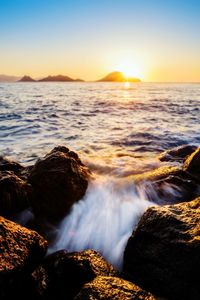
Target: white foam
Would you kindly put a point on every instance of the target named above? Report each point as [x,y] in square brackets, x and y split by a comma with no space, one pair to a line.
[103,220]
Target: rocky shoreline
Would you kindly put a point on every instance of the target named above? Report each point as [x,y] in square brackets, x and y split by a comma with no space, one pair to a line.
[162,256]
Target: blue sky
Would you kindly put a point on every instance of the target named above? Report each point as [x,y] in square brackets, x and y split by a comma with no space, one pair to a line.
[88,38]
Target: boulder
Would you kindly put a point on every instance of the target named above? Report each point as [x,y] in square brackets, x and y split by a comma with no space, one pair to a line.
[178,154]
[192,164]
[14,194]
[59,180]
[10,165]
[163,253]
[21,250]
[167,185]
[68,272]
[112,288]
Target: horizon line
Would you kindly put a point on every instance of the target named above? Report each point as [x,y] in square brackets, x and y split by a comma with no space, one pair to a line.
[38,78]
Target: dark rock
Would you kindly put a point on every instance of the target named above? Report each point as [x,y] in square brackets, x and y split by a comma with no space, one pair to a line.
[59,180]
[14,194]
[167,185]
[68,272]
[60,149]
[112,288]
[39,282]
[163,253]
[177,154]
[21,250]
[10,165]
[192,164]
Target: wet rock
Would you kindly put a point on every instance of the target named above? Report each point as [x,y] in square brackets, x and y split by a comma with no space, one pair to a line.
[68,272]
[167,185]
[192,164]
[112,288]
[177,154]
[163,253]
[59,180]
[14,194]
[10,165]
[21,250]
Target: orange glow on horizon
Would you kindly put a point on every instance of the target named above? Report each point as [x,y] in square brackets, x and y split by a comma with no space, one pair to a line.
[130,64]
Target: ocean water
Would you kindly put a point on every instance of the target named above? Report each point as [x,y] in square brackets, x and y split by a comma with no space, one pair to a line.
[117,131]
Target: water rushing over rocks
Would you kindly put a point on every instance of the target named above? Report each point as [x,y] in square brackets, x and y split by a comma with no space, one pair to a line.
[103,220]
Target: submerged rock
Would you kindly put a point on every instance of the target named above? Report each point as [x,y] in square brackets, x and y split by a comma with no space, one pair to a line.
[163,253]
[112,288]
[14,194]
[167,185]
[68,272]
[59,180]
[21,250]
[177,154]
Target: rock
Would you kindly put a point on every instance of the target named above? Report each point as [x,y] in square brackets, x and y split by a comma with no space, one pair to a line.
[59,180]
[68,272]
[163,253]
[167,185]
[177,154]
[112,288]
[10,165]
[192,164]
[21,250]
[39,282]
[14,194]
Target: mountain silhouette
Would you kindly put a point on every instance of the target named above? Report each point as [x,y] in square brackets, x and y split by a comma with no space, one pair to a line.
[118,77]
[26,78]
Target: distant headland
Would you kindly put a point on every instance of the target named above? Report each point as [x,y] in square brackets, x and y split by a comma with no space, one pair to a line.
[111,77]
[61,78]
[56,78]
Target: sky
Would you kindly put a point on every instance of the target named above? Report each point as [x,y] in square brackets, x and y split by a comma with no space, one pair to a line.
[153,40]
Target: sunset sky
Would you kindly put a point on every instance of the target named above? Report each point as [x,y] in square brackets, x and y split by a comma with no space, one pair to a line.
[154,40]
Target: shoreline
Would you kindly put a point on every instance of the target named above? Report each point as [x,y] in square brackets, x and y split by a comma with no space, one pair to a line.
[61,178]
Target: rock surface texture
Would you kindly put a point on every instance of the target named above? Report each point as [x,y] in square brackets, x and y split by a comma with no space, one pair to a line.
[112,288]
[163,253]
[59,180]
[14,194]
[68,272]
[21,250]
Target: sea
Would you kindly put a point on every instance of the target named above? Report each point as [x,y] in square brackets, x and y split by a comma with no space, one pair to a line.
[117,129]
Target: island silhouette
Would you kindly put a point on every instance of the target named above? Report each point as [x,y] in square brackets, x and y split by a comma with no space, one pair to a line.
[111,77]
[118,77]
[26,78]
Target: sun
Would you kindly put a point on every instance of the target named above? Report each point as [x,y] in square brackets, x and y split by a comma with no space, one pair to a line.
[130,66]
[131,70]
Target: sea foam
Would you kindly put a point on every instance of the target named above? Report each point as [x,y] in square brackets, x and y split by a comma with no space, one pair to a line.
[103,220]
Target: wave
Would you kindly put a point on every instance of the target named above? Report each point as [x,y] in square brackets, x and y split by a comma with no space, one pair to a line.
[103,220]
